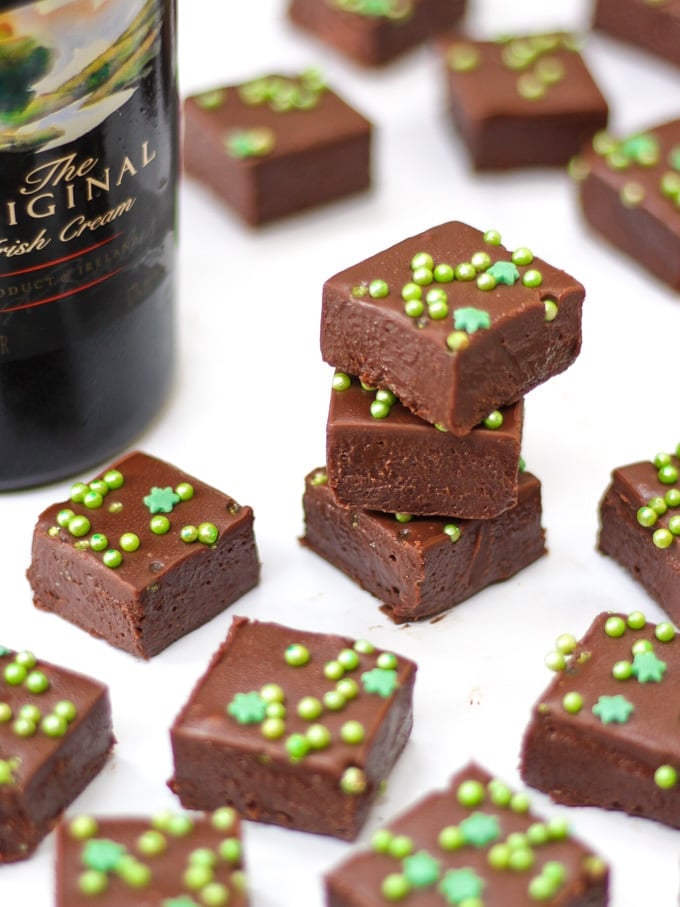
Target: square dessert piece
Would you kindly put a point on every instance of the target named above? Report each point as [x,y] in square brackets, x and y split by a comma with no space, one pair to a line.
[605,731]
[373,32]
[640,525]
[142,555]
[379,456]
[453,323]
[652,25]
[55,736]
[476,843]
[422,566]
[630,193]
[293,728]
[276,145]
[525,101]
[169,860]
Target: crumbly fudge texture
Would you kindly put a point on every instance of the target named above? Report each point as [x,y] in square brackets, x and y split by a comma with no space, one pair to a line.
[142,555]
[293,728]
[172,859]
[374,32]
[653,25]
[55,736]
[640,525]
[604,732]
[276,145]
[524,101]
[380,456]
[630,193]
[453,323]
[422,566]
[476,842]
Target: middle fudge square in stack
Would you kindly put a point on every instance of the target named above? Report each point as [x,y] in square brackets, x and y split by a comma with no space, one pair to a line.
[448,330]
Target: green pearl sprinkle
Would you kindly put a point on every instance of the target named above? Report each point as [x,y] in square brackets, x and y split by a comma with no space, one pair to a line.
[309,708]
[296,655]
[64,517]
[53,726]
[532,278]
[334,700]
[78,492]
[353,781]
[348,659]
[341,381]
[668,475]
[519,803]
[184,491]
[555,661]
[93,500]
[480,261]
[622,670]
[318,736]
[387,661]
[151,843]
[494,420]
[615,626]
[636,620]
[203,856]
[273,728]
[452,531]
[92,882]
[37,682]
[395,887]
[566,643]
[99,542]
[457,341]
[79,526]
[197,876]
[207,533]
[672,497]
[380,842]
[25,659]
[379,409]
[551,310]
[422,260]
[443,273]
[378,289]
[492,237]
[348,688]
[83,827]
[423,276]
[486,282]
[15,674]
[129,541]
[112,558]
[65,709]
[438,310]
[272,692]
[465,271]
[352,732]
[297,747]
[5,712]
[223,818]
[451,838]
[665,632]
[414,308]
[522,256]
[113,478]
[662,538]
[665,777]
[159,524]
[470,793]
[572,702]
[215,894]
[411,291]
[674,524]
[23,727]
[642,645]
[364,647]
[230,850]
[188,534]
[646,516]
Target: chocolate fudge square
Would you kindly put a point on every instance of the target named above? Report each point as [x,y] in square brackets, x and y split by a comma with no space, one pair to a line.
[293,728]
[652,25]
[374,32]
[605,731]
[172,859]
[640,525]
[526,101]
[276,145]
[142,555]
[422,566]
[475,842]
[453,323]
[380,456]
[629,191]
[55,736]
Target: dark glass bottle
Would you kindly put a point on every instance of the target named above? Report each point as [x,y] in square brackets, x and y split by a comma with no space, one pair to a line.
[88,174]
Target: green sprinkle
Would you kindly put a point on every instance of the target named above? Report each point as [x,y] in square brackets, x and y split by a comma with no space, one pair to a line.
[112,558]
[159,524]
[341,381]
[207,533]
[378,289]
[532,278]
[665,777]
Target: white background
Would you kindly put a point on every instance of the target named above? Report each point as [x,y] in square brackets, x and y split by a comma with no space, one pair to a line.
[248,415]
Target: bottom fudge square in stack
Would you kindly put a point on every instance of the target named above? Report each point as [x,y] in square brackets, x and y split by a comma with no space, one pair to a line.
[605,731]
[293,728]
[474,843]
[422,566]
[169,860]
[55,736]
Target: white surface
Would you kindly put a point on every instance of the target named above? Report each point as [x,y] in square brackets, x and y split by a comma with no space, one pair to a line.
[248,415]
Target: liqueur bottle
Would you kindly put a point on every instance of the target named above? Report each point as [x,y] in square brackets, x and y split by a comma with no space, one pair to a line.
[88,167]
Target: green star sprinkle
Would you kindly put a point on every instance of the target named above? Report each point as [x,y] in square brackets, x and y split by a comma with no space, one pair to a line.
[470,319]
[460,884]
[421,869]
[382,681]
[102,854]
[161,500]
[248,708]
[648,668]
[504,272]
[480,829]
[613,709]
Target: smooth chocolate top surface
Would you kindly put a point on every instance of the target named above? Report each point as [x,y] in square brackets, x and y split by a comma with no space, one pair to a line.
[352,408]
[638,713]
[635,166]
[465,870]
[254,656]
[26,756]
[224,112]
[177,837]
[521,75]
[451,243]
[124,510]
[638,483]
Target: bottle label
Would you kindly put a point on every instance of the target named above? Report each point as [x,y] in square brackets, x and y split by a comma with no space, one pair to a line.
[88,161]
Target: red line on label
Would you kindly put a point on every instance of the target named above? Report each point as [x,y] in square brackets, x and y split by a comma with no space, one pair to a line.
[85,286]
[58,261]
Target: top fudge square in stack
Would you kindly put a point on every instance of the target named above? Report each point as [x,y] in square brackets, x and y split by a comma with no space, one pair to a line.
[453,323]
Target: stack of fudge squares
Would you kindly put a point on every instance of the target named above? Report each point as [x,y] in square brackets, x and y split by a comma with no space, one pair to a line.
[424,499]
